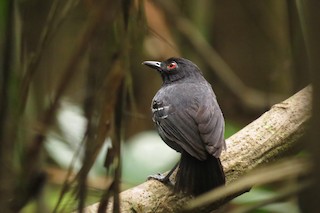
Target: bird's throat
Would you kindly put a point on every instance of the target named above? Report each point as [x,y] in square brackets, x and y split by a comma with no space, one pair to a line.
[172,77]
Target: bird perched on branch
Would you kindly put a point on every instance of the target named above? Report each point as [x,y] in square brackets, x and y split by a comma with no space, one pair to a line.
[189,120]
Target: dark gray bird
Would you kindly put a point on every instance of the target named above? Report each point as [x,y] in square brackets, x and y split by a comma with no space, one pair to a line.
[189,120]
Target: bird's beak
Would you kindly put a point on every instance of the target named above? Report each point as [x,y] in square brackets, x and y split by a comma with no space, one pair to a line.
[153,64]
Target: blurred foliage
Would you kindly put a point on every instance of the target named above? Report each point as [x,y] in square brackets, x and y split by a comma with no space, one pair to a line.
[259,194]
[72,88]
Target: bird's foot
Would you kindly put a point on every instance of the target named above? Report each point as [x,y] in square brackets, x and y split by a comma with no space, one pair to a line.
[160,177]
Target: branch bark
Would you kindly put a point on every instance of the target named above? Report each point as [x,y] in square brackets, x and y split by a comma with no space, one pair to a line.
[270,137]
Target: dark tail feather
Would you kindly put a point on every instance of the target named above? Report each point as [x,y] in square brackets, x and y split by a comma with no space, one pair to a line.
[196,177]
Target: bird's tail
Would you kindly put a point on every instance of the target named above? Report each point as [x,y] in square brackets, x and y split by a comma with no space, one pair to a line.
[196,177]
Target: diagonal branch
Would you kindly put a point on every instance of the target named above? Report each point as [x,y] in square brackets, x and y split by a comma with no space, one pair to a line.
[270,137]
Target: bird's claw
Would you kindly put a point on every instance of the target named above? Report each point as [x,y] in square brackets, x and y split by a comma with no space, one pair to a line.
[160,177]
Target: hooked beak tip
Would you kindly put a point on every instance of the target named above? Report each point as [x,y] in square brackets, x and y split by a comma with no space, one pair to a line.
[152,64]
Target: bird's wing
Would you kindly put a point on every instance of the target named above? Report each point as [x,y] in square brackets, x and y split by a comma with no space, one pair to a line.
[180,127]
[210,123]
[196,124]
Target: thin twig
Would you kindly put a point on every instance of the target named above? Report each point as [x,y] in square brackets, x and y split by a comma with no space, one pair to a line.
[51,26]
[98,17]
[67,183]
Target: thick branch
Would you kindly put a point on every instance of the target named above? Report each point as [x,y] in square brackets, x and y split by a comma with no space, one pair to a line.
[266,139]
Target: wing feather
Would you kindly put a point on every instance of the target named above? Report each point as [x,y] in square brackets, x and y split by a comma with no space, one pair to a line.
[186,136]
[211,128]
[194,124]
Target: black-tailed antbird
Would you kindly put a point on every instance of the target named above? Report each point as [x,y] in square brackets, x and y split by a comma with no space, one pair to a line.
[189,120]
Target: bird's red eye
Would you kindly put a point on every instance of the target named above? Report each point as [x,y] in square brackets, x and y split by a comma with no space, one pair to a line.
[172,66]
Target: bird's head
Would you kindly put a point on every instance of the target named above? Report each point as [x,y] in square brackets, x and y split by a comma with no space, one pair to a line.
[174,69]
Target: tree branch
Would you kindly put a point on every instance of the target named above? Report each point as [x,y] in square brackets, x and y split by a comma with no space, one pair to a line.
[270,137]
